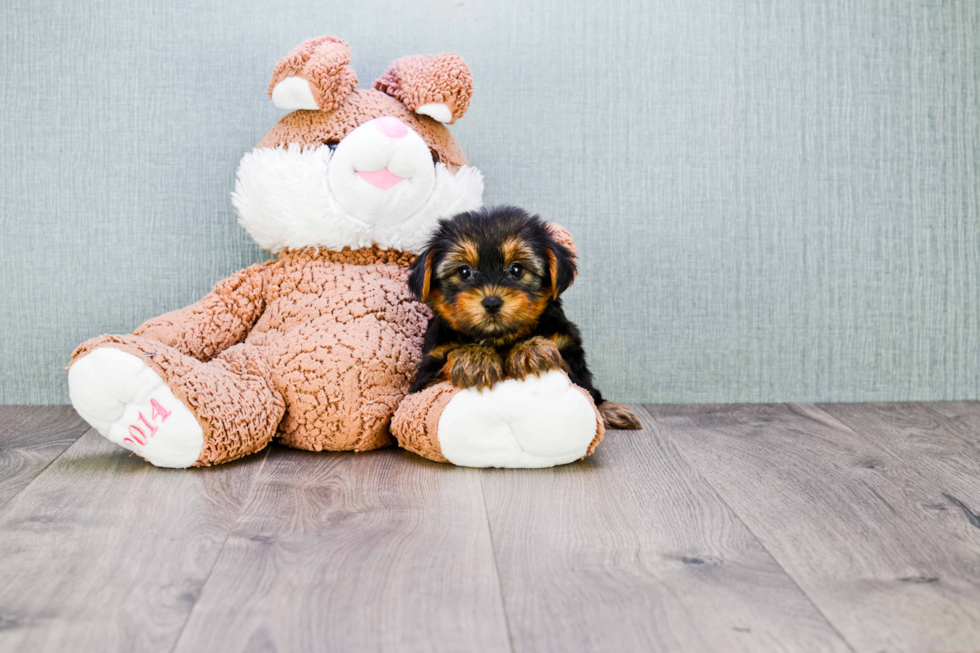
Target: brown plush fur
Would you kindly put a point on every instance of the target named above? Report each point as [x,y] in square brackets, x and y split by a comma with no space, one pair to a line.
[323,62]
[314,348]
[409,83]
[315,128]
[418,80]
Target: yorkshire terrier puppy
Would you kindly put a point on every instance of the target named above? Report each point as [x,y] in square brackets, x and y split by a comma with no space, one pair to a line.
[492,279]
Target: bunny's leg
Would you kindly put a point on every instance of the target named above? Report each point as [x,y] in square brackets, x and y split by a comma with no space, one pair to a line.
[170,408]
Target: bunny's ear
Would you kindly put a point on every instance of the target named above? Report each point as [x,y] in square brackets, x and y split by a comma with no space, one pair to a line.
[315,75]
[438,86]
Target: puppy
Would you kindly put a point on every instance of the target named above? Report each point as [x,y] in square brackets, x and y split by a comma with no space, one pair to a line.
[492,279]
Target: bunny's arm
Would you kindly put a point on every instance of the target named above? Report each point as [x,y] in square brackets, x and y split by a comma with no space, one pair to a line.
[220,319]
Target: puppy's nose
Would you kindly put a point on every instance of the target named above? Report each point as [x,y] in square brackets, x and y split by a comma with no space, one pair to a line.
[492,304]
[391,127]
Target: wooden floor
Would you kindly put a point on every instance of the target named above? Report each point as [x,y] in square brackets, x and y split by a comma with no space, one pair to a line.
[716,528]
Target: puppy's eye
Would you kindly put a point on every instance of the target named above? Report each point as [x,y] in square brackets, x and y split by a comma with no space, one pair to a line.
[516,270]
[464,272]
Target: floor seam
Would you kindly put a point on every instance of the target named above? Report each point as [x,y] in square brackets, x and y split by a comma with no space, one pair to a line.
[496,565]
[221,550]
[738,516]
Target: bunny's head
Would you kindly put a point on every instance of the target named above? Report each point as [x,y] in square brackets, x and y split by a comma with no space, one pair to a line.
[358,167]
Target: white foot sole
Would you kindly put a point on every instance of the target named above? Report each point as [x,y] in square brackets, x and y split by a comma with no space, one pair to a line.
[538,422]
[130,405]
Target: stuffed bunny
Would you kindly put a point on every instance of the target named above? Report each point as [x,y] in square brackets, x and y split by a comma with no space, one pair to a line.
[318,346]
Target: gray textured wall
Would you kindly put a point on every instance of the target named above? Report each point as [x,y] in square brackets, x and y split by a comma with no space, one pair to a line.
[774,200]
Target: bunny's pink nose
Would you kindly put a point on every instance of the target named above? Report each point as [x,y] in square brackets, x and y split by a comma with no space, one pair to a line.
[391,127]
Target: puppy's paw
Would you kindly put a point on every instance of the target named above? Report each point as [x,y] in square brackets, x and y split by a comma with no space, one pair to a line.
[474,366]
[535,356]
[618,416]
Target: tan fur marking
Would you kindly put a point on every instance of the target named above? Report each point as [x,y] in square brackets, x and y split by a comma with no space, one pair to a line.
[553,270]
[473,366]
[427,279]
[515,249]
[535,356]
[508,338]
[469,307]
[466,252]
[618,416]
[561,340]
[442,350]
[515,320]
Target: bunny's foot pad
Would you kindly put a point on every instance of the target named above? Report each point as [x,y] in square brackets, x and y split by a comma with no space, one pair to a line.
[128,403]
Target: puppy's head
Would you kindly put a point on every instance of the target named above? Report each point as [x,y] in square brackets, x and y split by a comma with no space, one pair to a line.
[490,273]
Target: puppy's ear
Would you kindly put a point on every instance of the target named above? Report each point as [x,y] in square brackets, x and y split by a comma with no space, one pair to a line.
[420,279]
[561,267]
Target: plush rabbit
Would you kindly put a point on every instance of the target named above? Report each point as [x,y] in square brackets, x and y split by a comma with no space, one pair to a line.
[318,346]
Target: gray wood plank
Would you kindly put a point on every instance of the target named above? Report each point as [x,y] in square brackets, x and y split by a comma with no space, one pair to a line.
[864,535]
[940,441]
[631,550]
[379,551]
[965,412]
[30,438]
[104,552]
